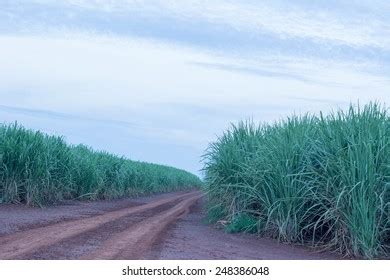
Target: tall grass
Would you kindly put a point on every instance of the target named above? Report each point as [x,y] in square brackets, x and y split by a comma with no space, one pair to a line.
[39,169]
[323,180]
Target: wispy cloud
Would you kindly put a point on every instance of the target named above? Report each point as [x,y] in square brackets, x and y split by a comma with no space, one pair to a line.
[284,18]
[256,71]
[62,116]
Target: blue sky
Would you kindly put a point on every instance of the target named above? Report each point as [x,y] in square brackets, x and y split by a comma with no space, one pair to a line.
[158,80]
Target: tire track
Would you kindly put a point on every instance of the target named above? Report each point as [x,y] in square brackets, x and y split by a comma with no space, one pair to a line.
[136,240]
[22,243]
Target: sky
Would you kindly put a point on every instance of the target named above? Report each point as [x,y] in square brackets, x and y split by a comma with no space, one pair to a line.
[158,80]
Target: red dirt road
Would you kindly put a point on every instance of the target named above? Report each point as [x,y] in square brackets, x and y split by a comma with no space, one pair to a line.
[167,226]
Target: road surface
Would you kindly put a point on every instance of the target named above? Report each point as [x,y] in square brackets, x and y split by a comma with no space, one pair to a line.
[167,226]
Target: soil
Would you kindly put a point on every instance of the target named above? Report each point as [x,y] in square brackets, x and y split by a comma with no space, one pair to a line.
[191,238]
[165,226]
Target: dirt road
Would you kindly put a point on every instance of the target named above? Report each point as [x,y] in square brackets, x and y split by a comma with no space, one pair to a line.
[167,226]
[124,233]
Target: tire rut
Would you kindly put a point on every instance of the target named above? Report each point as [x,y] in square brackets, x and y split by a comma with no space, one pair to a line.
[83,243]
[134,242]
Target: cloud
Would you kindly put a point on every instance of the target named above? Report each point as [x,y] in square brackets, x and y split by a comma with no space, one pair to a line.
[62,116]
[283,18]
[351,31]
[86,67]
[252,71]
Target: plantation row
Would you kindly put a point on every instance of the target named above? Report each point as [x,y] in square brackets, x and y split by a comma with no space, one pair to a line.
[322,180]
[39,169]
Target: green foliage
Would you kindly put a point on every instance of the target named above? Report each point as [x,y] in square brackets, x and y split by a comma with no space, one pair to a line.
[38,169]
[242,222]
[318,179]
